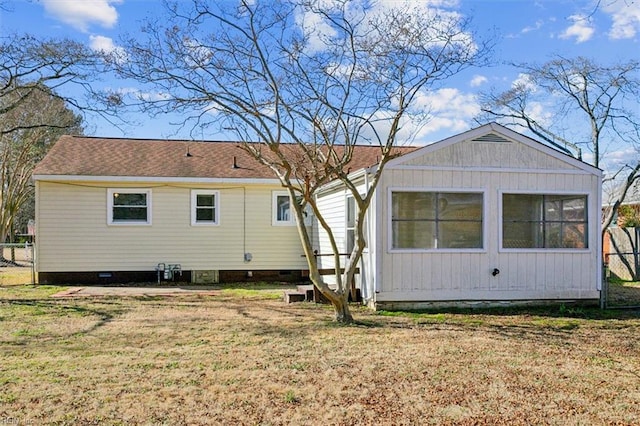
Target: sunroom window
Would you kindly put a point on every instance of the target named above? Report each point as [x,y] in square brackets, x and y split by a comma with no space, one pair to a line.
[437,220]
[129,206]
[544,221]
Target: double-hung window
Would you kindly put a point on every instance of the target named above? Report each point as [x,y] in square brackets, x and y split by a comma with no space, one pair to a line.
[204,207]
[436,220]
[542,221]
[129,206]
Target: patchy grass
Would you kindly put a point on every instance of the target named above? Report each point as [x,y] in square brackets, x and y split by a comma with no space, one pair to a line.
[15,276]
[248,359]
[260,290]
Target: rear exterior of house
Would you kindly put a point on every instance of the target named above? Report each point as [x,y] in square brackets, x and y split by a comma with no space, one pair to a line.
[487,217]
[119,211]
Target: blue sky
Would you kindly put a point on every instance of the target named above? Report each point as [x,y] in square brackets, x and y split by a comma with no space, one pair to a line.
[530,31]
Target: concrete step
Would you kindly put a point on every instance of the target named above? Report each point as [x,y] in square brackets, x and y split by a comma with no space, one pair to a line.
[292,296]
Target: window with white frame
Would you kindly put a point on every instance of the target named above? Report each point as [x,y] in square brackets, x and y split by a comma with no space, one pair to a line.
[204,207]
[350,224]
[129,206]
[544,221]
[282,212]
[437,220]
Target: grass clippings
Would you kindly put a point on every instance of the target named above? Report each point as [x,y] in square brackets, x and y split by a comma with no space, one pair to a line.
[238,358]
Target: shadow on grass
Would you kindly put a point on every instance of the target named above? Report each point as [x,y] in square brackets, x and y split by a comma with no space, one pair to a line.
[560,311]
[33,309]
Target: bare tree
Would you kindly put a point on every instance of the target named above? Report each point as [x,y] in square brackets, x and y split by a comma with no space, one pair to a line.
[307,81]
[27,130]
[29,65]
[600,101]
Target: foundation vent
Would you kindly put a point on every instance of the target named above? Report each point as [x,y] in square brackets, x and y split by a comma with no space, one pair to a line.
[205,277]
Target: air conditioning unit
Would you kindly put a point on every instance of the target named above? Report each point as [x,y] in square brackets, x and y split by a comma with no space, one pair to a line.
[205,277]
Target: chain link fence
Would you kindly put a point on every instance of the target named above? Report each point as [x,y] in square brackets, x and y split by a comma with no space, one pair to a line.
[620,293]
[17,263]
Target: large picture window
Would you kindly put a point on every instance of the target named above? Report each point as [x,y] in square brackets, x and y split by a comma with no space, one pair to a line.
[544,221]
[129,206]
[437,220]
[204,207]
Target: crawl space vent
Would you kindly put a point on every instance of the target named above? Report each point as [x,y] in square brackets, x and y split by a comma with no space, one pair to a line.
[491,138]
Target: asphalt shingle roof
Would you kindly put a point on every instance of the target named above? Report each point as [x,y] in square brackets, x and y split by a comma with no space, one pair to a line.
[94,156]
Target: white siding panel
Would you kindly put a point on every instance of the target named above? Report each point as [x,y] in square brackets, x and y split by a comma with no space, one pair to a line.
[482,154]
[435,275]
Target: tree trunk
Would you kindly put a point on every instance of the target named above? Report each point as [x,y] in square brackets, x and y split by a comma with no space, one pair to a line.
[339,301]
[341,309]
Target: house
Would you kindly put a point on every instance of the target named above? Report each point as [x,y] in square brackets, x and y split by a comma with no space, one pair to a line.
[125,210]
[488,215]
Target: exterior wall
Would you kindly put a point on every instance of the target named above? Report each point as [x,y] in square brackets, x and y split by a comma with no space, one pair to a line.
[462,276]
[73,235]
[332,203]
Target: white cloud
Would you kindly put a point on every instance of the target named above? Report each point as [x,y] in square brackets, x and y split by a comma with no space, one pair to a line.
[107,47]
[534,27]
[524,80]
[581,29]
[448,109]
[625,16]
[478,80]
[81,13]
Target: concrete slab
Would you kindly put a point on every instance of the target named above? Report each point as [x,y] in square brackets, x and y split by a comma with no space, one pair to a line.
[99,291]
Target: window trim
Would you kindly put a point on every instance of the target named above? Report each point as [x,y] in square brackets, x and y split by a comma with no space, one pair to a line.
[194,207]
[274,210]
[110,206]
[588,224]
[485,220]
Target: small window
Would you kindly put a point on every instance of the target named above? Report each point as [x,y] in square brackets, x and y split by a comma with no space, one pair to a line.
[204,207]
[437,220]
[129,206]
[282,213]
[350,224]
[538,221]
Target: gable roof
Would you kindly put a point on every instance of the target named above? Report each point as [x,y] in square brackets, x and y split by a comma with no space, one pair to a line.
[92,157]
[496,133]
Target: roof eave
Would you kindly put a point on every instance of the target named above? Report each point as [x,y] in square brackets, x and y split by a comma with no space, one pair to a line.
[153,179]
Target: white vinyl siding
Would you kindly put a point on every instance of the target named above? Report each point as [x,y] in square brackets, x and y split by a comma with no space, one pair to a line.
[73,234]
[524,274]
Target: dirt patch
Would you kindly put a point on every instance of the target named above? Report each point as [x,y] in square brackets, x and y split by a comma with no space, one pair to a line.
[101,291]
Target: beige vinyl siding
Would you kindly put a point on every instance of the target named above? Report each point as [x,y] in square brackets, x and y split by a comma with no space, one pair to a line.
[73,234]
[531,274]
